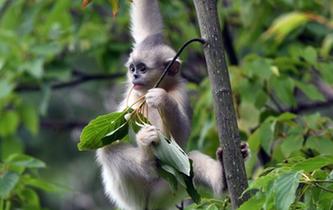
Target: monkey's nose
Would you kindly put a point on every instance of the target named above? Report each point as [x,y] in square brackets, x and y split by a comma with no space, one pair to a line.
[136,76]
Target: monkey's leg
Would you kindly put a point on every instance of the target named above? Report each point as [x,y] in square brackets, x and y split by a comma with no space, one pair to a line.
[208,172]
[127,175]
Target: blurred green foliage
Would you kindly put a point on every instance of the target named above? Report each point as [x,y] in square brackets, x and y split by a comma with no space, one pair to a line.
[282,88]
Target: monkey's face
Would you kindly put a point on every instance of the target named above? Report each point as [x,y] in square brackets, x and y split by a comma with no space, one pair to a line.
[142,76]
[147,63]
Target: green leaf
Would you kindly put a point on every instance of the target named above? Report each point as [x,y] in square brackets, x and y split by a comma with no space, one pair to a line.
[30,198]
[103,130]
[43,185]
[29,117]
[254,203]
[169,174]
[286,117]
[35,68]
[134,119]
[177,164]
[8,123]
[262,182]
[45,99]
[266,135]
[326,71]
[312,164]
[285,24]
[8,181]
[212,207]
[283,87]
[26,161]
[322,145]
[291,143]
[310,55]
[285,189]
[327,45]
[310,91]
[9,146]
[5,88]
[170,153]
[190,189]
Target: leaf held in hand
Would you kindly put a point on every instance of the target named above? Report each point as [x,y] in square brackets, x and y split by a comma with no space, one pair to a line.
[104,130]
[170,153]
[175,166]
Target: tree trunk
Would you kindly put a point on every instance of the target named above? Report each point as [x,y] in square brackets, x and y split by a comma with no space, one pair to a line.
[223,105]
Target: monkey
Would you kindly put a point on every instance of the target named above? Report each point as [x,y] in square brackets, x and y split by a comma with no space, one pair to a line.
[129,172]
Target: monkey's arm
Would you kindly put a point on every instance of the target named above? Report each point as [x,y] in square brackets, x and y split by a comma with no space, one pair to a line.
[145,19]
[173,112]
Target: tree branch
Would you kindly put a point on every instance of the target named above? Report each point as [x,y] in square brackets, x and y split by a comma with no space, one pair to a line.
[308,107]
[223,102]
[61,125]
[81,78]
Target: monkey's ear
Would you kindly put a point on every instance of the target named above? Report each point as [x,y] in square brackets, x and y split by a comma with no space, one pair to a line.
[174,69]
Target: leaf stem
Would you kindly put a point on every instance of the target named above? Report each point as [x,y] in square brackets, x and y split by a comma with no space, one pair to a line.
[202,41]
[323,188]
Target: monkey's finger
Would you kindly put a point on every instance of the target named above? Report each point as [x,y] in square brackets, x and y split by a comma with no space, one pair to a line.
[219,154]
[244,144]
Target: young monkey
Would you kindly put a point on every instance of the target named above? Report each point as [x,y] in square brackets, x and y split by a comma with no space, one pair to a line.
[129,172]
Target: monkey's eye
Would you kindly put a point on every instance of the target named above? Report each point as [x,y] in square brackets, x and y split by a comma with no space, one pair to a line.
[132,68]
[141,67]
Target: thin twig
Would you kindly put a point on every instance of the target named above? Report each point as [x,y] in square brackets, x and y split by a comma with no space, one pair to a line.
[202,41]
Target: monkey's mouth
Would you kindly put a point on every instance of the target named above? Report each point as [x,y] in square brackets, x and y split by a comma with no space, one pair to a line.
[137,85]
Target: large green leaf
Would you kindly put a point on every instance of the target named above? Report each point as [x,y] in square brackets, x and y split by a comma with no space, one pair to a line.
[40,184]
[321,144]
[5,88]
[175,166]
[291,144]
[30,199]
[104,130]
[310,91]
[170,153]
[190,189]
[26,161]
[9,122]
[254,203]
[285,24]
[29,117]
[285,189]
[312,164]
[8,181]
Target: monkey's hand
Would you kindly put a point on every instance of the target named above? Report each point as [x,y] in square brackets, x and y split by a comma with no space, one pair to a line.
[156,97]
[147,136]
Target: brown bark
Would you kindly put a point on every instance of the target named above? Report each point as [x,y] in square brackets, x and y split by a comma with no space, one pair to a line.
[225,114]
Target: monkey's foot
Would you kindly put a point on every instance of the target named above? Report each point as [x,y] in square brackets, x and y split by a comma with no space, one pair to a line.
[244,147]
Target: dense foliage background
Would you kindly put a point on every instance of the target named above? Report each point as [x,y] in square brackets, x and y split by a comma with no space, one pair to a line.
[61,66]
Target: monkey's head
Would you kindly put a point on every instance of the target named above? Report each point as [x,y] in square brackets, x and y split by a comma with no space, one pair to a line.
[148,61]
